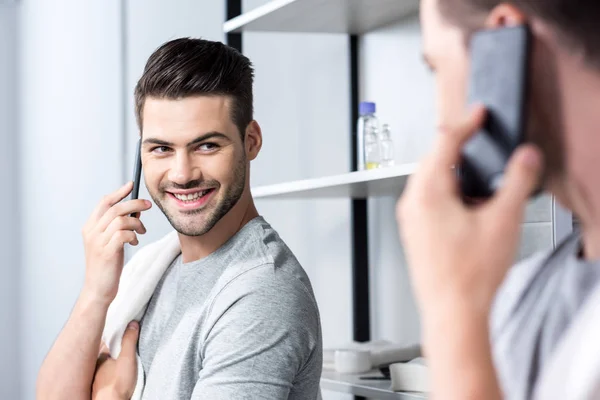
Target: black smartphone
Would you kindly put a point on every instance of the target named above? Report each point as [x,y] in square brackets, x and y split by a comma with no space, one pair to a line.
[499,80]
[137,172]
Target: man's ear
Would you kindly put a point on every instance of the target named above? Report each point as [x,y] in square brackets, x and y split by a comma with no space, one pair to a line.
[253,142]
[505,15]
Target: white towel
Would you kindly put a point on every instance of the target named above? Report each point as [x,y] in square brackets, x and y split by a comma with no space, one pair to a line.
[139,279]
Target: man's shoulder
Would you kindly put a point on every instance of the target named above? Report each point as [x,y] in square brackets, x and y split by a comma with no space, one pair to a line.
[271,282]
[263,279]
[516,282]
[273,248]
[526,273]
[266,262]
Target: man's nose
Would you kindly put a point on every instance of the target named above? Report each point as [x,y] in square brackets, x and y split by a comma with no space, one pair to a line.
[182,171]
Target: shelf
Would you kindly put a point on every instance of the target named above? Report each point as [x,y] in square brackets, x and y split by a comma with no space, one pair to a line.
[376,389]
[362,184]
[322,16]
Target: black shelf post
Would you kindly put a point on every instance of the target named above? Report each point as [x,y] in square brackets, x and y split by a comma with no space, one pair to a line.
[233,8]
[360,239]
[361,318]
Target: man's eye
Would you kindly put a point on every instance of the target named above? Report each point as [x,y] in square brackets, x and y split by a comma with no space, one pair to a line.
[160,149]
[208,147]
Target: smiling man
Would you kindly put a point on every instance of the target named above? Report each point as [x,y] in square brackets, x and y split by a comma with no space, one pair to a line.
[234,316]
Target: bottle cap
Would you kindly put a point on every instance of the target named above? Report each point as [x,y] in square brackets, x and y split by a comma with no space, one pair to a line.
[366,107]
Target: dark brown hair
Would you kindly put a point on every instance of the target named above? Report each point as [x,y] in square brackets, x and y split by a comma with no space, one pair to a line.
[577,21]
[195,67]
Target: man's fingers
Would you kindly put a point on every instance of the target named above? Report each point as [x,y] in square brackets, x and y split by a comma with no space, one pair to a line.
[110,200]
[521,178]
[123,209]
[118,240]
[447,148]
[129,343]
[124,224]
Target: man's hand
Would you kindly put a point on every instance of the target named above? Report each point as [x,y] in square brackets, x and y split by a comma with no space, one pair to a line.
[104,235]
[116,379]
[458,255]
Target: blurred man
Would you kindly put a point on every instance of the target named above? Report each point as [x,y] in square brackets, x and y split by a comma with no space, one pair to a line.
[234,316]
[456,284]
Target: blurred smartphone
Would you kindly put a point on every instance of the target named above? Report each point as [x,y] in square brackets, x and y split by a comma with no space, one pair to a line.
[137,173]
[499,80]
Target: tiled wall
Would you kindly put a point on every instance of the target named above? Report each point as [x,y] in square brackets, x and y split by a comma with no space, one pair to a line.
[537,231]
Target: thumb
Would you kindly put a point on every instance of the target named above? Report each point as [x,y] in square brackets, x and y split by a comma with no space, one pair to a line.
[521,178]
[130,338]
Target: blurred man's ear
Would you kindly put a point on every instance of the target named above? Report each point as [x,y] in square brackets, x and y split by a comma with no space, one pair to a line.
[505,15]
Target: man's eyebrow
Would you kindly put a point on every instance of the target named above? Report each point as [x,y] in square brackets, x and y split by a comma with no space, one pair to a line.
[201,138]
[209,135]
[157,142]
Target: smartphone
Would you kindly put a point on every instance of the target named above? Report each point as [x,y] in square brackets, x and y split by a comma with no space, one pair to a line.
[137,173]
[499,79]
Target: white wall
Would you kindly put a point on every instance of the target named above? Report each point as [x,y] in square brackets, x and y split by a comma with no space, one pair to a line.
[9,241]
[70,155]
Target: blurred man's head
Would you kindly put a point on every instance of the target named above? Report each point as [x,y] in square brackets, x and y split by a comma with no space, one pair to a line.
[566,34]
[195,115]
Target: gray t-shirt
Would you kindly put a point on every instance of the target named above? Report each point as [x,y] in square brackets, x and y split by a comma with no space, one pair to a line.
[241,323]
[532,310]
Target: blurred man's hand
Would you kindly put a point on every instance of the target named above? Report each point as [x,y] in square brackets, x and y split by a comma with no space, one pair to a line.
[459,254]
[116,379]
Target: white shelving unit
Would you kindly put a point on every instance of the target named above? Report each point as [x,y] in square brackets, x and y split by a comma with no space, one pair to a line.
[353,17]
[357,185]
[374,389]
[325,16]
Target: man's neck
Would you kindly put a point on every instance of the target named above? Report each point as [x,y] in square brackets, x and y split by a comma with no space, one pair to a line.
[196,247]
[591,241]
[581,118]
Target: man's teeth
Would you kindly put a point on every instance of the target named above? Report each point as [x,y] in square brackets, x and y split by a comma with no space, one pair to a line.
[191,196]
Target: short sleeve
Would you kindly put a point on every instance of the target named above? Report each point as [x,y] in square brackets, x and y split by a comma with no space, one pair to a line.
[263,340]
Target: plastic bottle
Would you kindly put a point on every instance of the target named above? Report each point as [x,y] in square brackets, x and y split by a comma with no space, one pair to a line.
[367,146]
[386,146]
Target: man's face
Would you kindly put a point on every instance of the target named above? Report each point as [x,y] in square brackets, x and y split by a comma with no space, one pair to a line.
[445,51]
[194,160]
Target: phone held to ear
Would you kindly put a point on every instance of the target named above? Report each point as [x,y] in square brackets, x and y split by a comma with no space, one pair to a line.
[137,173]
[499,80]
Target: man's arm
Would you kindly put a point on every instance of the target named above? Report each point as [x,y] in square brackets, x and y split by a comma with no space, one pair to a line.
[116,379]
[459,356]
[264,342]
[68,370]
[458,256]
